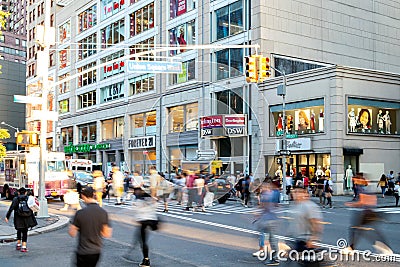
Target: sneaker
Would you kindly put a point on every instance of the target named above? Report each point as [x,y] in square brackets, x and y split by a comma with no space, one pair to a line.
[23,249]
[272,262]
[259,253]
[145,263]
[18,247]
[118,203]
[382,248]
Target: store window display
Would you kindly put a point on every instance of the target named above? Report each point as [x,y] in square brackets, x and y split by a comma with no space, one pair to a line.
[302,116]
[373,117]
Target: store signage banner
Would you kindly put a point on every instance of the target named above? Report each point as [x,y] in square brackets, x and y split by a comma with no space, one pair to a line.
[141,142]
[296,144]
[154,67]
[83,148]
[218,126]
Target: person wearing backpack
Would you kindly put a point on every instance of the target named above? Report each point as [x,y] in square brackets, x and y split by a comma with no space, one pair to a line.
[23,218]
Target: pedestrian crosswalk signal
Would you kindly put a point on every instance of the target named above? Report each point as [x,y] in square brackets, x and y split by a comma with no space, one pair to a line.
[251,69]
[27,138]
[264,70]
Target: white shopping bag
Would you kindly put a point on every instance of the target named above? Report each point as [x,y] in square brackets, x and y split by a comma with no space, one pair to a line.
[33,203]
[208,199]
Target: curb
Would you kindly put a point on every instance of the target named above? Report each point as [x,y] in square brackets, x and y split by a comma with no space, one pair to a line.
[61,223]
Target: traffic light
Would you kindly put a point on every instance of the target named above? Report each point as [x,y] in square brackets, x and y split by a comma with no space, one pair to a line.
[251,69]
[264,69]
[27,138]
[290,125]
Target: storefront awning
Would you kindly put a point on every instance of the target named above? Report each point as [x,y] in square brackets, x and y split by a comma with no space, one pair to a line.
[352,151]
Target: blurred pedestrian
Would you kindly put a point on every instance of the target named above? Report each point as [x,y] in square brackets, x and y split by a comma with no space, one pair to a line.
[92,224]
[361,224]
[246,190]
[22,221]
[320,188]
[118,184]
[307,217]
[163,190]
[191,190]
[99,185]
[127,183]
[180,182]
[328,190]
[138,182]
[145,209]
[397,192]
[267,222]
[200,193]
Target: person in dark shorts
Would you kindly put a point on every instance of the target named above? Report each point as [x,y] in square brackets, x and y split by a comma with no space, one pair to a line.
[92,224]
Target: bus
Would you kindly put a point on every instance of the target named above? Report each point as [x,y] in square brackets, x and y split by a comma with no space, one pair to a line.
[21,169]
[80,165]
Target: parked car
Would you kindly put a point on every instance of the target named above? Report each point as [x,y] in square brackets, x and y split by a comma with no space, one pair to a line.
[82,179]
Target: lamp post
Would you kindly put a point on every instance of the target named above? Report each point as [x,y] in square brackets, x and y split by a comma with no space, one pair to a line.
[281,91]
[16,131]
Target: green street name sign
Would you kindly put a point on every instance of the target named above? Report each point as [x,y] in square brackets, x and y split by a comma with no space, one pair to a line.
[280,133]
[85,148]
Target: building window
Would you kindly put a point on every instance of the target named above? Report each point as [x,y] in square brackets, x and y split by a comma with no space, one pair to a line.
[110,7]
[290,65]
[230,101]
[88,77]
[228,20]
[87,19]
[64,86]
[141,20]
[141,84]
[144,124]
[183,118]
[67,135]
[113,33]
[373,117]
[112,92]
[229,63]
[113,68]
[63,106]
[87,46]
[87,100]
[113,128]
[188,73]
[87,133]
[64,32]
[64,58]
[52,61]
[306,117]
[180,7]
[145,45]
[181,36]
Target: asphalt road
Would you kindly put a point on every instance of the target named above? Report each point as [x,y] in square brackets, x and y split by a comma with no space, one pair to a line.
[222,236]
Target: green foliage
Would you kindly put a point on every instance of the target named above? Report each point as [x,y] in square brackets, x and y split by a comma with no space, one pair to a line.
[4,134]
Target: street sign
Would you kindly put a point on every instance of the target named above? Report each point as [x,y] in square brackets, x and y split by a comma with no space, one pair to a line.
[34,100]
[285,152]
[48,115]
[154,67]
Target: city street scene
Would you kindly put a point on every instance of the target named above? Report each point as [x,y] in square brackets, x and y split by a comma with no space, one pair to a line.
[199,133]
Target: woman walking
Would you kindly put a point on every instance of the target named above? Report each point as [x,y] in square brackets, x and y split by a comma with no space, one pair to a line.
[383,184]
[22,221]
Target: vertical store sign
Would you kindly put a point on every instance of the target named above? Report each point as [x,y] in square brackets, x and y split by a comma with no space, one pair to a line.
[209,123]
[181,7]
[235,125]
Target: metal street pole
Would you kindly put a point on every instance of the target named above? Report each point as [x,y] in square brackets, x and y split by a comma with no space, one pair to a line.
[43,212]
[16,131]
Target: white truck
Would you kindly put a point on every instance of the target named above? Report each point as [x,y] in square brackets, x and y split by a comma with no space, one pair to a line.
[80,165]
[21,169]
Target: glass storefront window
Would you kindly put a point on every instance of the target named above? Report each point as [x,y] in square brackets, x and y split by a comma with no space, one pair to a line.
[87,19]
[107,129]
[151,123]
[112,92]
[113,128]
[180,7]
[144,124]
[228,63]
[64,87]
[64,32]
[230,101]
[63,106]
[87,133]
[87,46]
[86,100]
[228,20]
[306,117]
[142,20]
[67,135]
[113,33]
[183,118]
[181,36]
[141,84]
[142,46]
[188,73]
[373,117]
[64,58]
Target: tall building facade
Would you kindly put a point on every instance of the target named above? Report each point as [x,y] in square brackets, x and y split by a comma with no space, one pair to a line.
[12,78]
[110,113]
[35,15]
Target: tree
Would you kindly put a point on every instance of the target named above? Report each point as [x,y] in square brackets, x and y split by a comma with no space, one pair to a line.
[4,134]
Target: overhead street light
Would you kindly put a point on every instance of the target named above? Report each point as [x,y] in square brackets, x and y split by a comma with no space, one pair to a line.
[16,131]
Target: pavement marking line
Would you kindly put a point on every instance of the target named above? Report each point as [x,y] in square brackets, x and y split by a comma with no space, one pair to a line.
[239,229]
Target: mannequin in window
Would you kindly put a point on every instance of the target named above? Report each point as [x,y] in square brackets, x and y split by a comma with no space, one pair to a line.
[380,121]
[181,38]
[279,126]
[319,171]
[312,121]
[352,120]
[279,172]
[321,121]
[348,178]
[386,118]
[328,171]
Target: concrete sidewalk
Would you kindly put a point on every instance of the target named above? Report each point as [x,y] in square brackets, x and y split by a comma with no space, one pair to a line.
[9,234]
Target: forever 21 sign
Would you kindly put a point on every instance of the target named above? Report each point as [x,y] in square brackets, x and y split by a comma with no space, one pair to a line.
[141,142]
